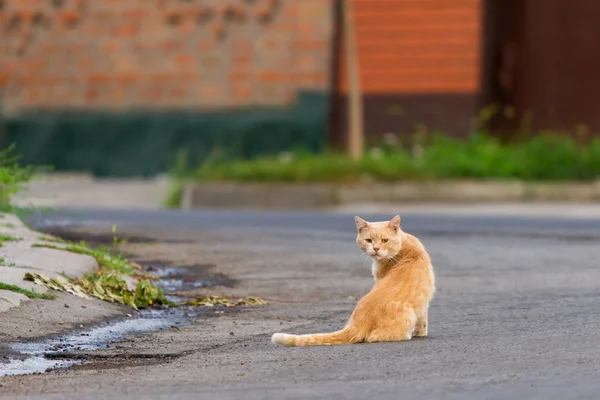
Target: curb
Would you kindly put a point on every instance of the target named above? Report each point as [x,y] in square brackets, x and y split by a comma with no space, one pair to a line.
[18,257]
[311,196]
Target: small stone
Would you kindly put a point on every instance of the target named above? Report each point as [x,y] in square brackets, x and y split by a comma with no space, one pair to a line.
[129,315]
[66,305]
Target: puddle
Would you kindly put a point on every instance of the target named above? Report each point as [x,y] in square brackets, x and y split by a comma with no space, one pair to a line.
[33,365]
[44,355]
[179,278]
[35,357]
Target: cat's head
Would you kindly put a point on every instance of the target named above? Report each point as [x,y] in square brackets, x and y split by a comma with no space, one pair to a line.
[379,240]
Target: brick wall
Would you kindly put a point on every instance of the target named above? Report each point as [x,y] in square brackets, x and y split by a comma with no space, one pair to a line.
[420,64]
[140,54]
[417,46]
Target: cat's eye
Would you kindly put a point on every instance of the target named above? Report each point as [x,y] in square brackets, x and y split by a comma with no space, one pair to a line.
[384,240]
[368,240]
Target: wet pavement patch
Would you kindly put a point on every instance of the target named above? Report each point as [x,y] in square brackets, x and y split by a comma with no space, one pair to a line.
[49,354]
[182,278]
[46,355]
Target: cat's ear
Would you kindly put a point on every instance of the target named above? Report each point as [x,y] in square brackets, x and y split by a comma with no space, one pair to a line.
[360,223]
[394,223]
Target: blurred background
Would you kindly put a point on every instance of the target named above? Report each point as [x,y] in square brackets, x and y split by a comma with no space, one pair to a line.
[438,88]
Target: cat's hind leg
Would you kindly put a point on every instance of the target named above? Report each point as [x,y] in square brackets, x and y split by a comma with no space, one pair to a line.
[421,325]
[397,324]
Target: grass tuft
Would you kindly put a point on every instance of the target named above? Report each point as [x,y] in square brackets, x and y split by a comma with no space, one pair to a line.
[108,262]
[174,195]
[107,283]
[9,238]
[32,294]
[4,263]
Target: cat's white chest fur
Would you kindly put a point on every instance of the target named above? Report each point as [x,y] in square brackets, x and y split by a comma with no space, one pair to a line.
[374,269]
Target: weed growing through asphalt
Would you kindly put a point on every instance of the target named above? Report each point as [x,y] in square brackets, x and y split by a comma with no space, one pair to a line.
[107,260]
[108,282]
[50,239]
[109,263]
[32,294]
[4,263]
[9,238]
[109,287]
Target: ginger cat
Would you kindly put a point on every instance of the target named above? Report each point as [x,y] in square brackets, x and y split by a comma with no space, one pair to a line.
[396,307]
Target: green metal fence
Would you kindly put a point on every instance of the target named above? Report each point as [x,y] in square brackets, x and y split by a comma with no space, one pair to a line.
[147,143]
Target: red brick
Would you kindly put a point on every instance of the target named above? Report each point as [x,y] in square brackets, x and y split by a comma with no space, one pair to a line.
[127,78]
[273,76]
[243,94]
[240,74]
[99,78]
[416,45]
[126,30]
[185,61]
[187,27]
[131,52]
[69,17]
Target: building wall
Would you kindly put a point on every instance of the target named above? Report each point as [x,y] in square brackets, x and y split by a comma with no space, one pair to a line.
[419,63]
[556,70]
[126,87]
[145,54]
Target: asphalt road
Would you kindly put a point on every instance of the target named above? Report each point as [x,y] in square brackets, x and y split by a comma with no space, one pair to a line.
[517,313]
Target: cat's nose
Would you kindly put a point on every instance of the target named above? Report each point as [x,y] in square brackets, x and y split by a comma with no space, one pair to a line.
[375,249]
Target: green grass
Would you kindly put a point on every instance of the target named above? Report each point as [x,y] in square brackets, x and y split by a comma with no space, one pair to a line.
[108,287]
[13,177]
[9,238]
[543,158]
[107,261]
[4,263]
[107,283]
[52,240]
[32,294]
[174,195]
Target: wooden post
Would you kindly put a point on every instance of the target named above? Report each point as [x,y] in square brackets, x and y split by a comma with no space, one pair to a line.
[355,102]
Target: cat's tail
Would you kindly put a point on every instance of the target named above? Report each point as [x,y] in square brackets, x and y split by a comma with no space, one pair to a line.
[345,336]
